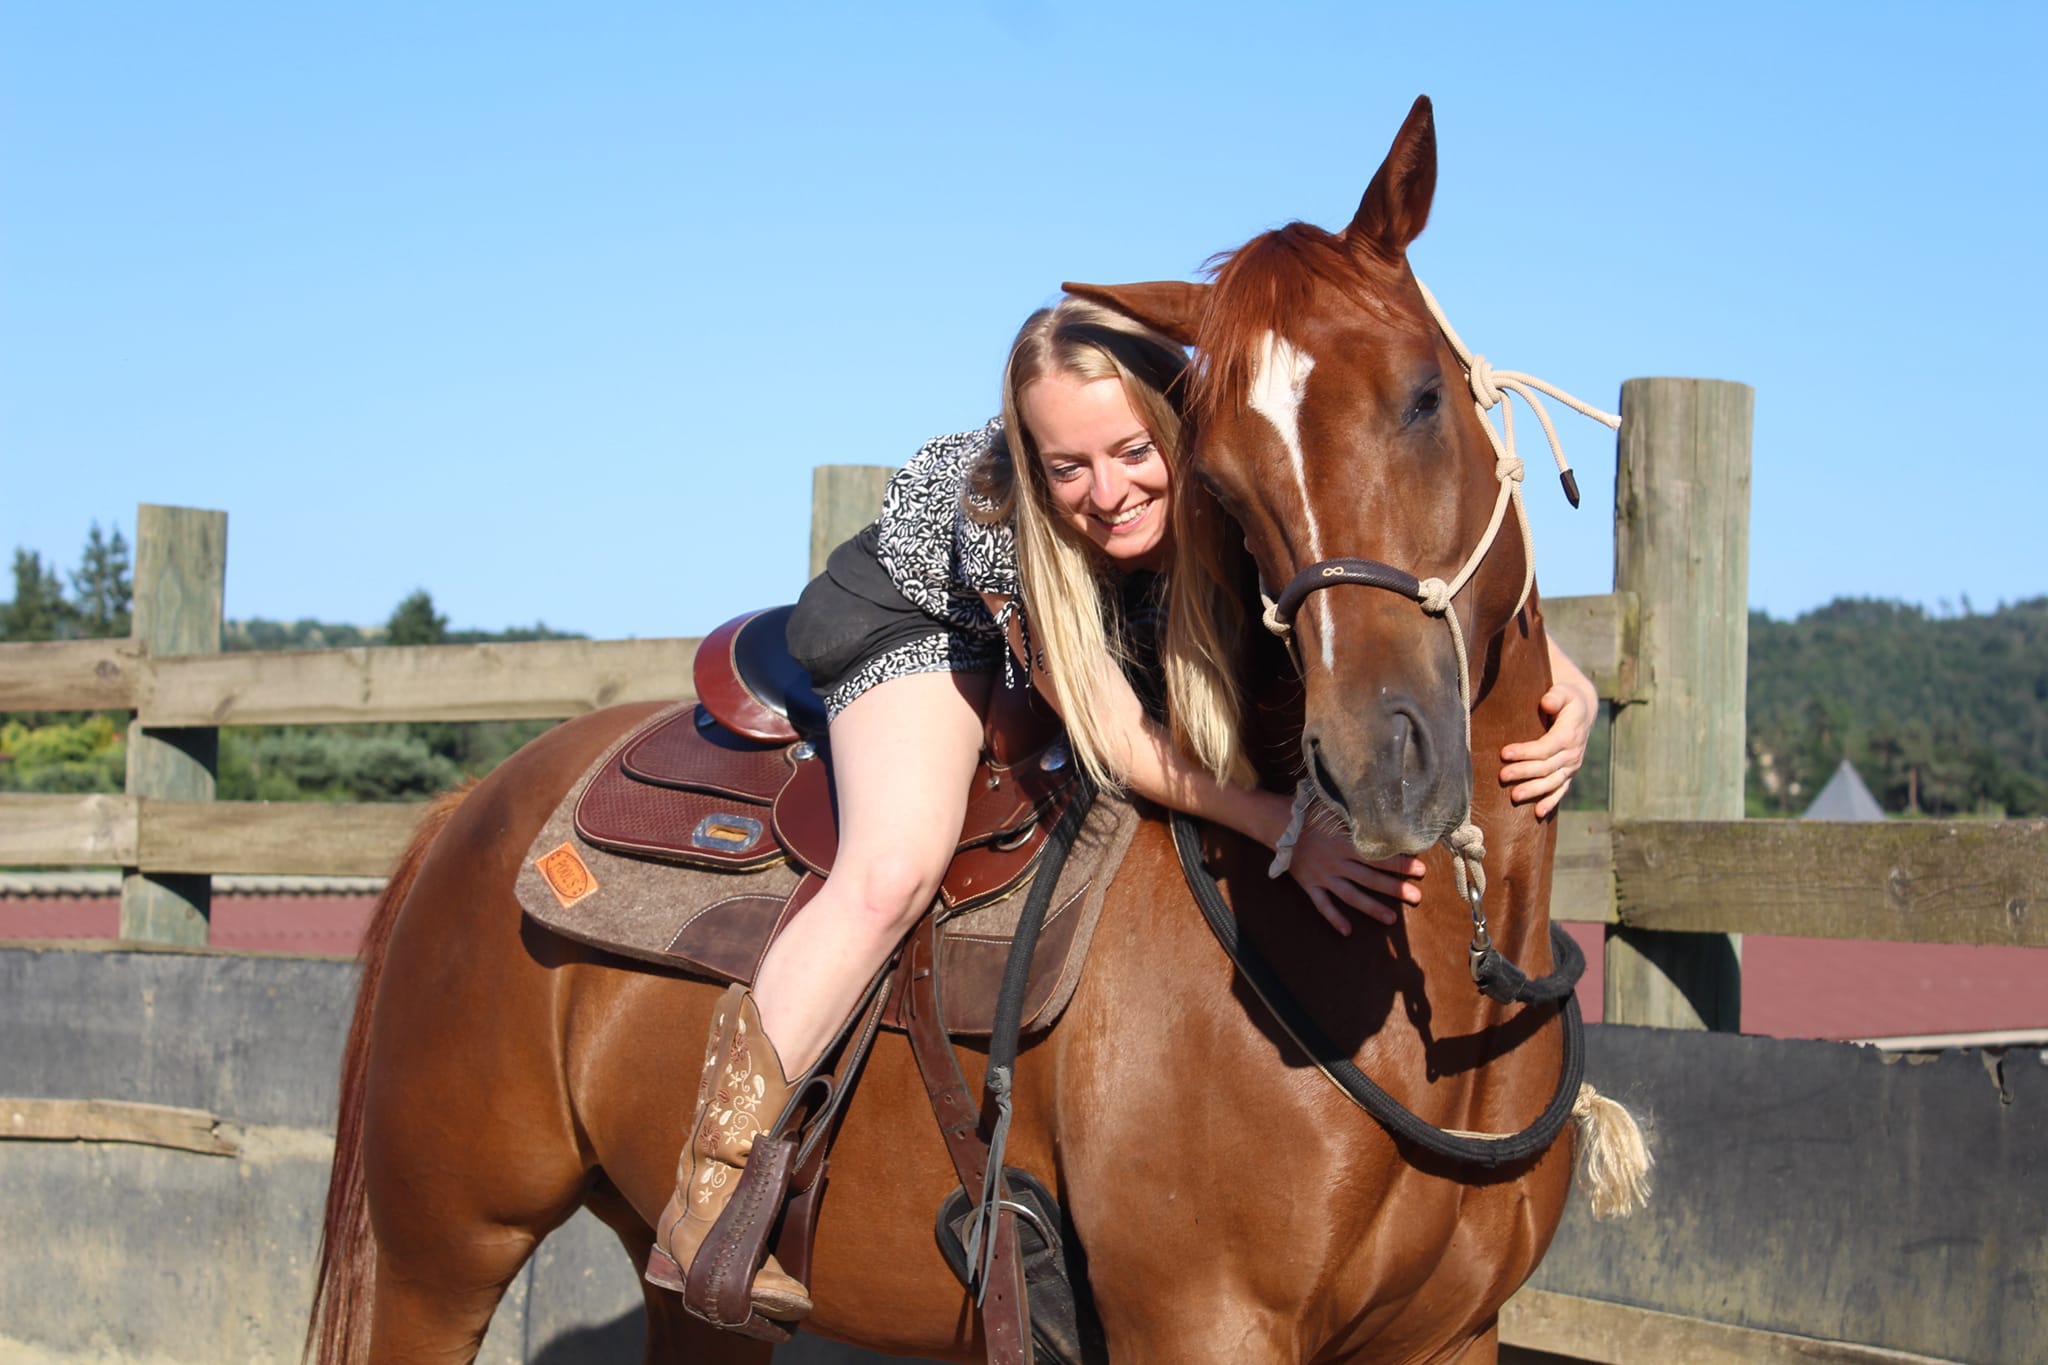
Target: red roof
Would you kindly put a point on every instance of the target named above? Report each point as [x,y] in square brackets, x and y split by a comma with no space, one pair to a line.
[1791,987]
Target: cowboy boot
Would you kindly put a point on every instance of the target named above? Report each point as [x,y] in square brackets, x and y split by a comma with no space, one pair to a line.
[741,1094]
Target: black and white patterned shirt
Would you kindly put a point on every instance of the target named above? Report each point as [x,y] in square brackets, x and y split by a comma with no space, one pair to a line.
[938,556]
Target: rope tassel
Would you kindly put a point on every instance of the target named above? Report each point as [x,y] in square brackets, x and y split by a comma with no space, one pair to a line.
[1283,852]
[1614,1155]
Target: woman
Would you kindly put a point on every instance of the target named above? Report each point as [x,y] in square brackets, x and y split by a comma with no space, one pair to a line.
[1081,516]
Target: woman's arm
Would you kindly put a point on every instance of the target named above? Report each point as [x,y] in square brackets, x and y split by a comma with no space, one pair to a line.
[1541,770]
[1323,863]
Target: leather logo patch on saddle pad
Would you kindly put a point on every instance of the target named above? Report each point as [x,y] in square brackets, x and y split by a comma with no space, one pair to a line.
[565,874]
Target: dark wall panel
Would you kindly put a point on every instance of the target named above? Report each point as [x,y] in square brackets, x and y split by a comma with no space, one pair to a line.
[1829,1190]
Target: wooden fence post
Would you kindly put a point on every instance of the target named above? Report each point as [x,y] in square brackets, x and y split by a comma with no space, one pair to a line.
[181,556]
[844,498]
[1681,545]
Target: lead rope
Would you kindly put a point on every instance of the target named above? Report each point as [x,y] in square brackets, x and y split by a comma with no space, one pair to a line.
[1490,388]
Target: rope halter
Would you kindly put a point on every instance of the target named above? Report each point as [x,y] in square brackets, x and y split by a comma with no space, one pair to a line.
[1490,388]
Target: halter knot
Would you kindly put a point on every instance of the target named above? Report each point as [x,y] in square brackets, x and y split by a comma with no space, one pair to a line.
[1508,469]
[1435,596]
[1271,616]
[1483,388]
[1468,869]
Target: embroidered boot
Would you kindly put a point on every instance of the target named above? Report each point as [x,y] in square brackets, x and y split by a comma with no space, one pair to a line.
[742,1093]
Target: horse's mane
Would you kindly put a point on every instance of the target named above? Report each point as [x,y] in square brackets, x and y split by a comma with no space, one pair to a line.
[1262,287]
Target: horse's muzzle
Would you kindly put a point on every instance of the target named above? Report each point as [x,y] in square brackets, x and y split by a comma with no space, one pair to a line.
[1398,770]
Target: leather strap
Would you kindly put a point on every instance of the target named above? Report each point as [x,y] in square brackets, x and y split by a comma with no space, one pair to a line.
[1005,1313]
[813,1158]
[1328,573]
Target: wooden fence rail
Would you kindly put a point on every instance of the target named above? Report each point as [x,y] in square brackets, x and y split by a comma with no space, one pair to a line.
[537,680]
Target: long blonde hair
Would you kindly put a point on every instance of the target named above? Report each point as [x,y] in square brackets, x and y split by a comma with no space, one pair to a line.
[1072,622]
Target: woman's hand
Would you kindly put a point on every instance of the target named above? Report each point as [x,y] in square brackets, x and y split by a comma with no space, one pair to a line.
[1541,770]
[1334,876]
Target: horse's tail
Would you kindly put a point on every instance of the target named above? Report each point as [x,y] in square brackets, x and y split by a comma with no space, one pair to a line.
[1614,1155]
[339,1330]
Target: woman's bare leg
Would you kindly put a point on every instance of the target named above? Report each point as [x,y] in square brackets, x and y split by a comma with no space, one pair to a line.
[902,756]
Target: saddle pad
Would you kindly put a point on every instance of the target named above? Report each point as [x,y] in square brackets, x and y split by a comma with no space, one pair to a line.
[639,908]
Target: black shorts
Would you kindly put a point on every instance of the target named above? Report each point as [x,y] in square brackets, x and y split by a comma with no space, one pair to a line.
[853,628]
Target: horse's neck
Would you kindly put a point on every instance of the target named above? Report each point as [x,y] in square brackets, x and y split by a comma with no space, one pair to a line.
[1517,844]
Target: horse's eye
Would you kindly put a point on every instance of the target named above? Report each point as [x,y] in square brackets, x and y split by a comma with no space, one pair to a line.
[1215,491]
[1426,405]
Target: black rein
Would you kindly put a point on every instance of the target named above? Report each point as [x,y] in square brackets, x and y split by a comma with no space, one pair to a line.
[1403,1123]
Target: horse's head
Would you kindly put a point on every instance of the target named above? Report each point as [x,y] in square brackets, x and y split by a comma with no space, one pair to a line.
[1334,420]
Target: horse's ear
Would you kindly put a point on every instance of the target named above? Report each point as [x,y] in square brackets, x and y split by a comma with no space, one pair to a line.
[1396,204]
[1172,308]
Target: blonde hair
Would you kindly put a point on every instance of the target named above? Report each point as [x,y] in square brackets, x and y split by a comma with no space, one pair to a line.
[1073,623]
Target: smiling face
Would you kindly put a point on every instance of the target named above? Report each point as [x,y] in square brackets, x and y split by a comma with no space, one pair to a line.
[1106,478]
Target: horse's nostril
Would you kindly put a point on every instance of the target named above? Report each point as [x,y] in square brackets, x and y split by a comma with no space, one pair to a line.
[1413,751]
[1324,782]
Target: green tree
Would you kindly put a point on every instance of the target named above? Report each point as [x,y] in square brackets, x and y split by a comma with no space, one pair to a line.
[102,589]
[415,622]
[38,611]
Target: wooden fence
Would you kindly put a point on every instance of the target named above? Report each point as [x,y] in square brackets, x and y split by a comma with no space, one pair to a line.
[1671,867]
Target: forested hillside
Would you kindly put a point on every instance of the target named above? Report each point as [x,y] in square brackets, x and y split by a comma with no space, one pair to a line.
[1942,714]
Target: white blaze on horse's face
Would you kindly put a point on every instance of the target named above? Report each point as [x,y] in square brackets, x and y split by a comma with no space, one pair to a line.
[1279,384]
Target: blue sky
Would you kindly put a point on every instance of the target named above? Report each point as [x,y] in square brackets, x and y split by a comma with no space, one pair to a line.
[551,309]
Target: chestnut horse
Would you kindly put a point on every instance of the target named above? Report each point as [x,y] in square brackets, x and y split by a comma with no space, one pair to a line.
[1231,1203]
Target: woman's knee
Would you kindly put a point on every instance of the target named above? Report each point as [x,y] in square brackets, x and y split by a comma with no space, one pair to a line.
[892,887]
